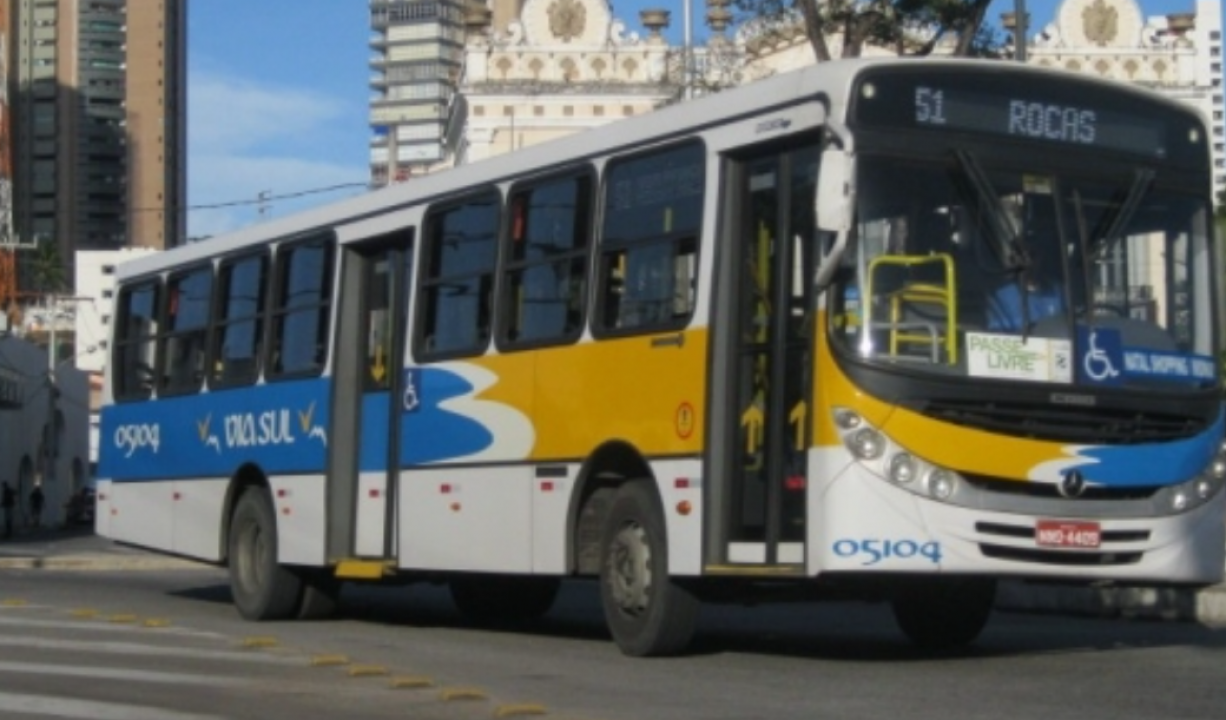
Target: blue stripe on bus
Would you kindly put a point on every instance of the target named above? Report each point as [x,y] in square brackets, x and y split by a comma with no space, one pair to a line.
[1147,464]
[280,427]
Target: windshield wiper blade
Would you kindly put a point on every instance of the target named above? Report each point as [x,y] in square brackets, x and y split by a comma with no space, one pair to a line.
[1141,182]
[1010,248]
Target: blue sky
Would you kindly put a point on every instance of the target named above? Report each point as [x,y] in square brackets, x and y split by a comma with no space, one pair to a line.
[278,98]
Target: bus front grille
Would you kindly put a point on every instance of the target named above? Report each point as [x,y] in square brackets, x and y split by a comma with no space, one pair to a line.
[1043,421]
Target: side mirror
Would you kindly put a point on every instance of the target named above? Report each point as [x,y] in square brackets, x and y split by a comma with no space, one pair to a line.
[834,207]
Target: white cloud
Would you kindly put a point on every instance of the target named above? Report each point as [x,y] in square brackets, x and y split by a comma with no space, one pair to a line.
[245,138]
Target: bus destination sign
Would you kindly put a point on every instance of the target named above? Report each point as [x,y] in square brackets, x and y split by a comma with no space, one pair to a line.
[1035,119]
[1029,107]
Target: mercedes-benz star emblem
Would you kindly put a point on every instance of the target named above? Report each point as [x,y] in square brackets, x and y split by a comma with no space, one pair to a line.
[1072,485]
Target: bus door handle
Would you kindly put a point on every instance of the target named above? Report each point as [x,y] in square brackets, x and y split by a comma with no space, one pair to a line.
[677,339]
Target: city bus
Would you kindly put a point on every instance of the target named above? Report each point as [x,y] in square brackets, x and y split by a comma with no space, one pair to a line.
[748,348]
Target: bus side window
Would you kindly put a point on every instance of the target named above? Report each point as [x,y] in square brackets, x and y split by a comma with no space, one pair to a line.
[546,255]
[301,314]
[457,290]
[649,241]
[242,286]
[136,341]
[182,348]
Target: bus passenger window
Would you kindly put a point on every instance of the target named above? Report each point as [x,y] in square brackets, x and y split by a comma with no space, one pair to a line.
[458,289]
[242,287]
[301,314]
[546,264]
[182,348]
[135,342]
[648,253]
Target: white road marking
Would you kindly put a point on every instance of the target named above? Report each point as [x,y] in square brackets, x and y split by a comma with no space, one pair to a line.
[151,676]
[88,709]
[122,648]
[101,625]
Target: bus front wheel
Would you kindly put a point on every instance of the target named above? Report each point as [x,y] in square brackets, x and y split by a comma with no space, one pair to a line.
[262,588]
[647,612]
[944,613]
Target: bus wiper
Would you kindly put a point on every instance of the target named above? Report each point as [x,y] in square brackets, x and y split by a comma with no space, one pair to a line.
[1141,182]
[1010,248]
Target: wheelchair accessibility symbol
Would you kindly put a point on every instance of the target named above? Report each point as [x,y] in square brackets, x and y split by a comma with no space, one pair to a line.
[1097,363]
[409,398]
[1100,356]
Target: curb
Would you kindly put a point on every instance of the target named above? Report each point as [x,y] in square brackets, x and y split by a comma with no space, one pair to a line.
[100,562]
[1206,606]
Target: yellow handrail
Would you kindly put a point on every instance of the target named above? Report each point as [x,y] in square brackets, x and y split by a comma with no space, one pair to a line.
[943,294]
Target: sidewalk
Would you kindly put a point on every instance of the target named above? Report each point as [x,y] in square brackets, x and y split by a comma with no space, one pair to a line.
[78,548]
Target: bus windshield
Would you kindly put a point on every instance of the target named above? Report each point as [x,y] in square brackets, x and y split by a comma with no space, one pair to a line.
[973,268]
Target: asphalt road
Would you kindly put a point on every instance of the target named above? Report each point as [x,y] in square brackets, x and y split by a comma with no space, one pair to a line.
[778,662]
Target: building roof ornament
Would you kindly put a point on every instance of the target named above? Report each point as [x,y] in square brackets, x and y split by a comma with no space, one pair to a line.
[566,19]
[1096,23]
[573,23]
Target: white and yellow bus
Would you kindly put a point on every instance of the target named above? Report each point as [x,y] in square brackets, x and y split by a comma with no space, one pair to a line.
[889,330]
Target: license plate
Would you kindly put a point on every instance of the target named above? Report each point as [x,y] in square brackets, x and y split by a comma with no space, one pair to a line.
[1066,534]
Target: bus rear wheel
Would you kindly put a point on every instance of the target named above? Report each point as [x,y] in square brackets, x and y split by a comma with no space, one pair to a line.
[941,614]
[261,587]
[504,598]
[647,612]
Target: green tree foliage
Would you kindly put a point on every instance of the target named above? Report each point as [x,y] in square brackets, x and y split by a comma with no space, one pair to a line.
[47,267]
[909,27]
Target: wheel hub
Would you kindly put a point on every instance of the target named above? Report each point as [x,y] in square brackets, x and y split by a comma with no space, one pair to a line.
[630,560]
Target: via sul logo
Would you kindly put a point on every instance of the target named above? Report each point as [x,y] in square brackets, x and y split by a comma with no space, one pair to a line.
[270,428]
[205,433]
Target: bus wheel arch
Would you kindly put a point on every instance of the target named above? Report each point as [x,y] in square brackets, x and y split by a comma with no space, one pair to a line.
[605,469]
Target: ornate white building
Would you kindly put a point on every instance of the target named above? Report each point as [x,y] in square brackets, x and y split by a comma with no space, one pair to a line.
[1179,54]
[535,70]
[557,67]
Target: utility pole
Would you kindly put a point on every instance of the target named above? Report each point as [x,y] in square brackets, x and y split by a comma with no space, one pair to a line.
[1019,30]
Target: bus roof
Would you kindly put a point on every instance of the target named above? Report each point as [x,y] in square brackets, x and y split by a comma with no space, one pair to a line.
[833,79]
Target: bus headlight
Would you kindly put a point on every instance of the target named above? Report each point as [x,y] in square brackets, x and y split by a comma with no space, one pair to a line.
[902,468]
[941,483]
[1197,491]
[886,459]
[866,444]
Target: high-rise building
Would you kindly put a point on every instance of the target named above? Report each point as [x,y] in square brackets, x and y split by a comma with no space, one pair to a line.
[98,123]
[416,114]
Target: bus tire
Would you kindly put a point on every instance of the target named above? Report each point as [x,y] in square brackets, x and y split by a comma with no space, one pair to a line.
[647,612]
[499,599]
[321,595]
[261,587]
[944,613]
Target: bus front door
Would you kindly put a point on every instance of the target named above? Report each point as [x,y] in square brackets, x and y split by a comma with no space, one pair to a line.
[364,459]
[762,374]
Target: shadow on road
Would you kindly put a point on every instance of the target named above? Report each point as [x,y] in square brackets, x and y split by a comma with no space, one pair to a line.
[843,632]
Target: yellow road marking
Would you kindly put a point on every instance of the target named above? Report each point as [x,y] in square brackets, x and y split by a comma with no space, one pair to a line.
[85,613]
[123,619]
[450,694]
[411,683]
[367,670]
[13,602]
[520,710]
[325,660]
[156,623]
[259,641]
